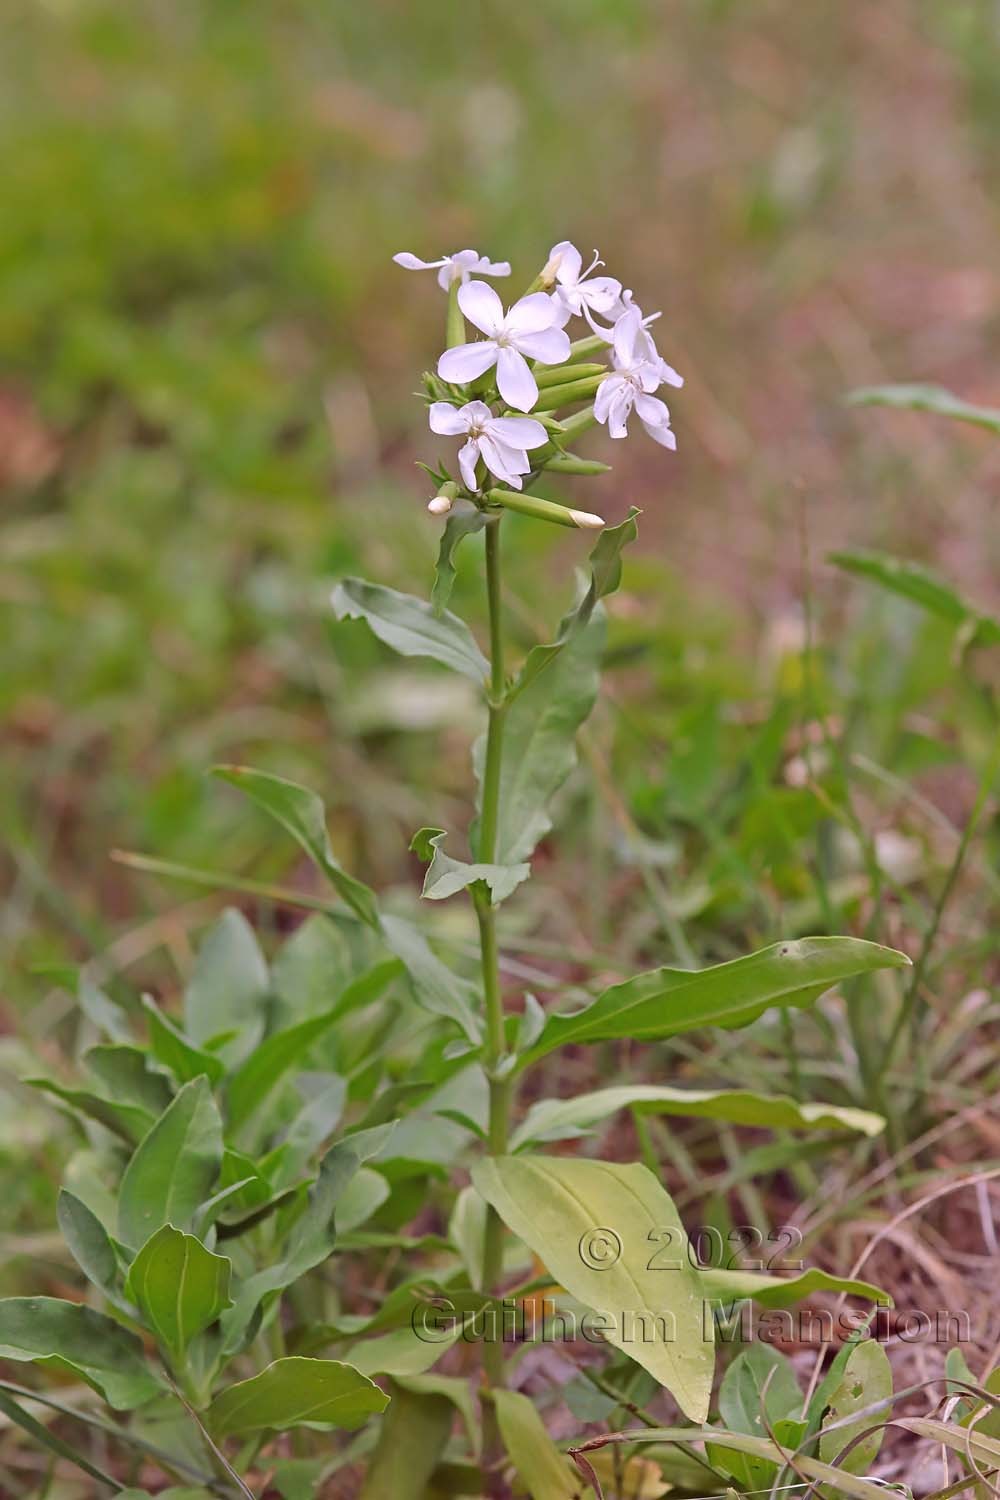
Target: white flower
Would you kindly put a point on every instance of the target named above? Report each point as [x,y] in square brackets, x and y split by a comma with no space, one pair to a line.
[457,267]
[527,329]
[501,442]
[637,374]
[576,292]
[668,375]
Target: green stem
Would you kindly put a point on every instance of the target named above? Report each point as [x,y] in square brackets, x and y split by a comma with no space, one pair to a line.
[493,1359]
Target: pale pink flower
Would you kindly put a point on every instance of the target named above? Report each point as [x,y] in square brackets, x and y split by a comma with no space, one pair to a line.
[526,331]
[501,442]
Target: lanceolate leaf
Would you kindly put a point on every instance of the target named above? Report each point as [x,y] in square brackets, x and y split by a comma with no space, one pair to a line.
[435,986]
[539,743]
[64,1335]
[174,1168]
[176,1051]
[446,876]
[555,1119]
[410,626]
[605,577]
[866,1379]
[125,1120]
[301,813]
[596,1227]
[923,588]
[666,1002]
[723,1287]
[229,983]
[267,1065]
[89,1242]
[545,1473]
[178,1286]
[125,1074]
[462,522]
[930,398]
[293,1391]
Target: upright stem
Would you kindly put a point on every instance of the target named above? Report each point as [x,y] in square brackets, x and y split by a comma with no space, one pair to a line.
[493,1353]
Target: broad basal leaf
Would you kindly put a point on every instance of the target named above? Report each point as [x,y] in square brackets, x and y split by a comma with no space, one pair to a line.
[301,813]
[126,1075]
[410,626]
[176,1051]
[178,1286]
[174,1168]
[556,1119]
[597,1226]
[666,1002]
[64,1335]
[89,1242]
[446,876]
[229,984]
[294,1391]
[866,1379]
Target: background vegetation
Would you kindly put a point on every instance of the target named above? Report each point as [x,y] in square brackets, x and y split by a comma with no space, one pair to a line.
[206,417]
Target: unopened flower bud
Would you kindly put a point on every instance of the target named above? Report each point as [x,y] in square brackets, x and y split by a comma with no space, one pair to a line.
[443,500]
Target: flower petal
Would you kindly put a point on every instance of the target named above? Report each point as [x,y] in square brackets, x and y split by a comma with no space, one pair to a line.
[627,330]
[662,435]
[494,267]
[481,306]
[618,412]
[601,293]
[605,395]
[652,410]
[515,381]
[518,432]
[467,456]
[669,375]
[443,418]
[467,362]
[414,263]
[531,314]
[505,462]
[570,262]
[551,346]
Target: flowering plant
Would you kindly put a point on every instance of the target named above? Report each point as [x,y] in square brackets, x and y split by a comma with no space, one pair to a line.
[254,1134]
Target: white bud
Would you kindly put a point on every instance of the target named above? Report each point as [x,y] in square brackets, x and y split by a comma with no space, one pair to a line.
[440,505]
[587,520]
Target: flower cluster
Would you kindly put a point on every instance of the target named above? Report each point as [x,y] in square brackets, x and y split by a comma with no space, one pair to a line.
[525,357]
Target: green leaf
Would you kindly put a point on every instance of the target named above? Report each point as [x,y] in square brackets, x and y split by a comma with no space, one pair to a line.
[413,1436]
[296,1391]
[403,1352]
[758,1391]
[174,1167]
[866,1379]
[301,813]
[410,626]
[544,1472]
[311,1238]
[178,1286]
[597,1226]
[362,1197]
[605,577]
[435,987]
[667,1002]
[462,522]
[555,1119]
[229,984]
[126,1076]
[67,1336]
[100,1010]
[723,1287]
[539,740]
[843,1484]
[268,1064]
[446,876]
[923,588]
[124,1120]
[89,1243]
[176,1051]
[930,398]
